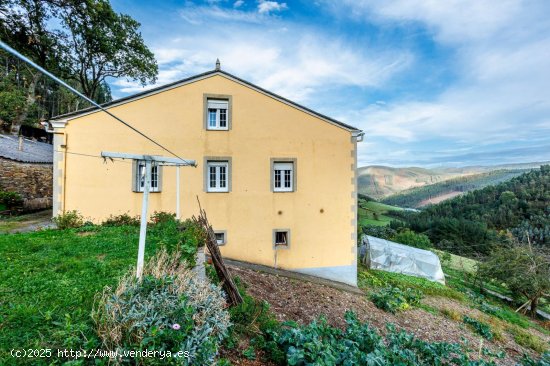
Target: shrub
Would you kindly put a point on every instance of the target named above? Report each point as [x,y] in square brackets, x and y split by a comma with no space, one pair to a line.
[480,328]
[384,232]
[169,310]
[320,344]
[10,199]
[413,239]
[69,220]
[393,299]
[121,220]
[162,217]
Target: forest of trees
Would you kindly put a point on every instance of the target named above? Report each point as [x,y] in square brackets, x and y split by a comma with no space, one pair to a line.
[84,42]
[475,223]
[414,196]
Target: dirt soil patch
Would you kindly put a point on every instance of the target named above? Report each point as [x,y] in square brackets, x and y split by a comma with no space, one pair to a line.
[28,222]
[303,302]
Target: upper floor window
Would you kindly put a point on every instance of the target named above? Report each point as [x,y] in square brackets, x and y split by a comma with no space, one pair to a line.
[217,176]
[283,176]
[139,177]
[217,116]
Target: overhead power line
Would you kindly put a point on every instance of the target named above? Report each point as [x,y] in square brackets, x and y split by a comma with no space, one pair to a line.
[73,90]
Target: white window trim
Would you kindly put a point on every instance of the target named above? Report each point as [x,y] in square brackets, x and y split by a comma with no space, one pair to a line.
[224,233]
[274,239]
[217,188]
[137,176]
[281,162]
[217,102]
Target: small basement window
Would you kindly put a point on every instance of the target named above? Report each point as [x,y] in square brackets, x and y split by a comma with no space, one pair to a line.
[220,237]
[281,238]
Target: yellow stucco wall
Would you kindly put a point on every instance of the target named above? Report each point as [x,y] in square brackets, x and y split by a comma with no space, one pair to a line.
[320,213]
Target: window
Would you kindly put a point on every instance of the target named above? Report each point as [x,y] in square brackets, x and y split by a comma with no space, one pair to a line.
[139,177]
[281,238]
[217,116]
[220,237]
[217,176]
[283,176]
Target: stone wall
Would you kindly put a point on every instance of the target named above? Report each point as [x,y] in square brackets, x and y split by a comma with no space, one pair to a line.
[32,181]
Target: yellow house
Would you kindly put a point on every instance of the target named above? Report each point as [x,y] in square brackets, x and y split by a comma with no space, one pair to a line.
[277,180]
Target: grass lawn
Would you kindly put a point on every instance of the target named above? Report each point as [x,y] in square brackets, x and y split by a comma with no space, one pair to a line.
[48,280]
[458,263]
[374,213]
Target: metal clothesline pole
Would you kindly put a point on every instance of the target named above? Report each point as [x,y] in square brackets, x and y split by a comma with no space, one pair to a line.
[149,159]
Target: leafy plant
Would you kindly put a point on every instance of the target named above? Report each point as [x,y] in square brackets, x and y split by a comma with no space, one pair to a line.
[320,344]
[169,309]
[393,299]
[69,220]
[480,328]
[543,361]
[250,353]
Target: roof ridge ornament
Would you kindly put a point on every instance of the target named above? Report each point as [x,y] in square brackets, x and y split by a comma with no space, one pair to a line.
[218,65]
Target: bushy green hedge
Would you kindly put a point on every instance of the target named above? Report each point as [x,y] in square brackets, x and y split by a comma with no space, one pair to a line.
[169,310]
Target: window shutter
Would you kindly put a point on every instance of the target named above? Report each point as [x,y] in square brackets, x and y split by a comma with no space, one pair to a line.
[135,183]
[283,166]
[218,104]
[159,177]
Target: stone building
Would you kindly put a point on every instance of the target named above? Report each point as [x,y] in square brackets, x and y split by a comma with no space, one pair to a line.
[27,170]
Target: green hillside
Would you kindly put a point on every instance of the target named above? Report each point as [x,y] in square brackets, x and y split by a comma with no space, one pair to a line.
[480,220]
[434,193]
[374,213]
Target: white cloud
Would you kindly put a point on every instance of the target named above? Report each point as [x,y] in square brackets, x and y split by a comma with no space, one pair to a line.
[266,7]
[293,62]
[501,52]
[499,64]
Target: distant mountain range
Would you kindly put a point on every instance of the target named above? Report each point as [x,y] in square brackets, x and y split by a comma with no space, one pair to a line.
[379,181]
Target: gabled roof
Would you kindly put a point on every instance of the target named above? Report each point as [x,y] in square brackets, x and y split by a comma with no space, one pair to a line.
[33,151]
[205,75]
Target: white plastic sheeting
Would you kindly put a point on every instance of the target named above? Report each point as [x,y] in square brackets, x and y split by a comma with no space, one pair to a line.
[394,257]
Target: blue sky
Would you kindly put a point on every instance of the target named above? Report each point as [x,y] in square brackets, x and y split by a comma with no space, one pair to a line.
[432,83]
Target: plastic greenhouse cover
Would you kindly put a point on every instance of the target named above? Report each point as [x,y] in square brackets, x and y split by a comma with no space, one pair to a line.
[394,257]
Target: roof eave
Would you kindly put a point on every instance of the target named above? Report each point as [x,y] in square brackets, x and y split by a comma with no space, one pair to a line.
[64,118]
